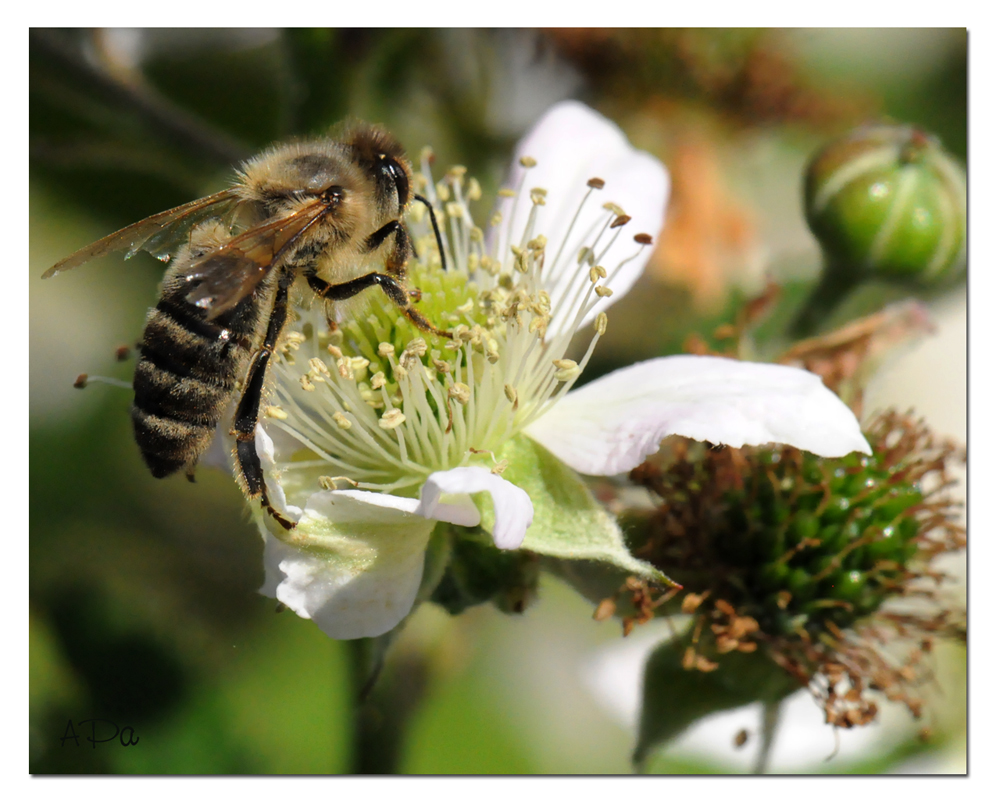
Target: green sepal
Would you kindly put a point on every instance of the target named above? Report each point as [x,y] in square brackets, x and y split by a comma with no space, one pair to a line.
[673,698]
[479,573]
[437,559]
[568,522]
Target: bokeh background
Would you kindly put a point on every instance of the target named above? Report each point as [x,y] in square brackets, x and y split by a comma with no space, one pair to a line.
[143,604]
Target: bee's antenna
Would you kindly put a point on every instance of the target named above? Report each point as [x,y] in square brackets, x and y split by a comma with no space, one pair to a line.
[434,224]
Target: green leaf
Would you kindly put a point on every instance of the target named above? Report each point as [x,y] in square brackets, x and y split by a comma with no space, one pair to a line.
[673,697]
[568,522]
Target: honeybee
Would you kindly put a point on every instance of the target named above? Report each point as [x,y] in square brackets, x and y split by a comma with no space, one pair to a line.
[325,213]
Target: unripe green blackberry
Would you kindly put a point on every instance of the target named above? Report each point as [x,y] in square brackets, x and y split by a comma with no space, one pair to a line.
[786,560]
[790,539]
[888,201]
[884,202]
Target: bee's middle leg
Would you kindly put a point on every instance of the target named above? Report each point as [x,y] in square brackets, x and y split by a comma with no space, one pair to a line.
[248,410]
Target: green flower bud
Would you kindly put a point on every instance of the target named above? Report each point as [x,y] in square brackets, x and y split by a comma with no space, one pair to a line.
[889,202]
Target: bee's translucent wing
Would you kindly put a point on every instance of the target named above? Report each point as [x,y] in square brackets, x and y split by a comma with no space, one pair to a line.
[159,234]
[222,277]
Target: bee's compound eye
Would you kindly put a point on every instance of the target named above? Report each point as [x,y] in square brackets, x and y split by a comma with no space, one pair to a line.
[391,167]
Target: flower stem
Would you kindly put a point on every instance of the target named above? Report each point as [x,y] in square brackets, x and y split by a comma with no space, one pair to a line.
[770,716]
[385,700]
[836,283]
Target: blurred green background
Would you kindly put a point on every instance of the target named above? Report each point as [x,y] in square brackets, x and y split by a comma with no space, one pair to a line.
[144,608]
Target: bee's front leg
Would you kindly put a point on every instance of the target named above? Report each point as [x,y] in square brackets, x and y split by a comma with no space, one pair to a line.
[395,264]
[387,283]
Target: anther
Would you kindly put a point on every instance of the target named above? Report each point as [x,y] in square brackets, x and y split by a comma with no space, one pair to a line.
[643,238]
[527,162]
[83,380]
[342,421]
[601,324]
[567,374]
[392,418]
[603,291]
[334,351]
[620,220]
[596,183]
[276,413]
[385,350]
[460,392]
[417,346]
[330,484]
[317,368]
[511,393]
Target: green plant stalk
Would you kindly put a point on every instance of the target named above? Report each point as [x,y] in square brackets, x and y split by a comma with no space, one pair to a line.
[770,717]
[385,700]
[836,283]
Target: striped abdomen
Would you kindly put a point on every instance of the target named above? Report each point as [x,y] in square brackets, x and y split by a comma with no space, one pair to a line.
[187,372]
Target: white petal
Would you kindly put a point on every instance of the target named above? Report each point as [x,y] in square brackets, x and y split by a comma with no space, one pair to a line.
[359,567]
[275,492]
[512,507]
[612,424]
[572,144]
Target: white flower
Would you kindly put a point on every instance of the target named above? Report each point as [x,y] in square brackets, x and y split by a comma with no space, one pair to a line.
[376,432]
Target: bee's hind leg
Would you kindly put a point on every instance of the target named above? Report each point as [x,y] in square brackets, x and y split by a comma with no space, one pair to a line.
[251,473]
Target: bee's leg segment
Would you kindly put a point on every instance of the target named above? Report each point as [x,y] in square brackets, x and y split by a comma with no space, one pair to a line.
[396,263]
[248,410]
[434,224]
[387,283]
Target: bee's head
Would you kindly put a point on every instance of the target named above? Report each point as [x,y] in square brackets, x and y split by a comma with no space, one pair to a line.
[383,159]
